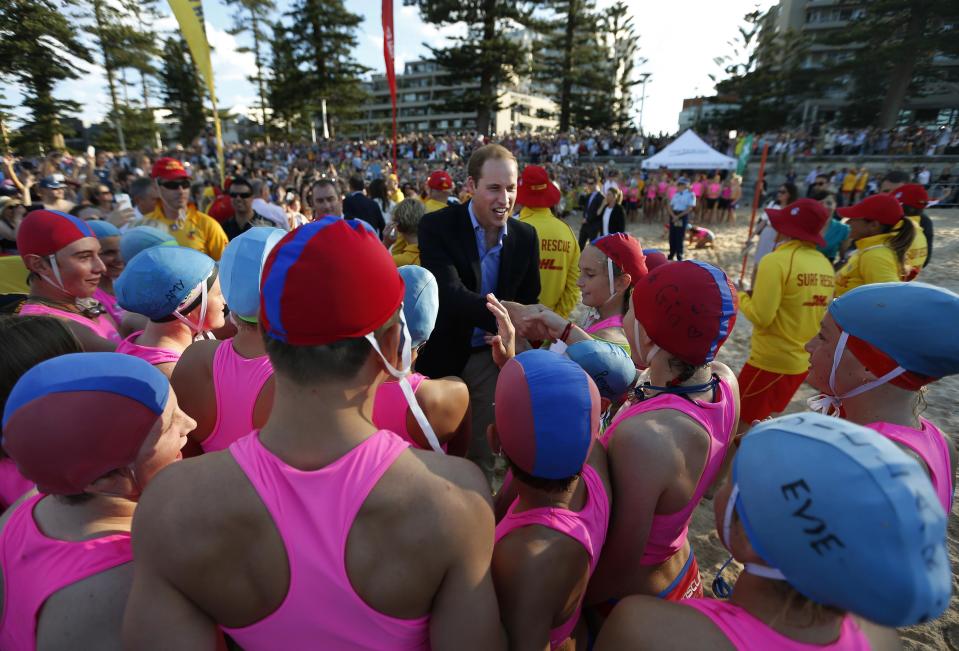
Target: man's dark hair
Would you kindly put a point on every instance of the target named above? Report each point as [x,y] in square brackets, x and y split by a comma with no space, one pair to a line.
[819,195]
[308,365]
[241,180]
[356,183]
[896,176]
[319,182]
[140,187]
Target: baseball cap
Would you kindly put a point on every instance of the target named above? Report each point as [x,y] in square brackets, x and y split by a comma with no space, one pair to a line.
[6,202]
[802,220]
[71,419]
[326,281]
[912,195]
[535,190]
[608,364]
[626,253]
[53,182]
[241,267]
[162,280]
[882,208]
[168,169]
[103,229]
[687,308]
[849,519]
[44,232]
[421,302]
[440,180]
[913,324]
[547,414]
[682,180]
[139,238]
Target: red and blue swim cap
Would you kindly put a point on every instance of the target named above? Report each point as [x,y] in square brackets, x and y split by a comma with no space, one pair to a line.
[687,308]
[547,414]
[326,281]
[44,232]
[626,253]
[71,419]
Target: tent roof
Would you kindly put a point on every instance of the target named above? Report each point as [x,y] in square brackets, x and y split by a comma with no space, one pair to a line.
[689,152]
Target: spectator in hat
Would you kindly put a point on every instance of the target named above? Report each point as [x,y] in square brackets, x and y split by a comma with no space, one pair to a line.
[52,189]
[12,211]
[894,180]
[790,296]
[678,210]
[558,249]
[914,199]
[883,237]
[190,227]
[439,187]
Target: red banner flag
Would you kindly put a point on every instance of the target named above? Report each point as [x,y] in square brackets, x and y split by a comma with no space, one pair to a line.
[388,56]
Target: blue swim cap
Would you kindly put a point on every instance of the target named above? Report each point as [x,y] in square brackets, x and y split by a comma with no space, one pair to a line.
[850,519]
[161,280]
[103,229]
[608,364]
[547,414]
[241,266]
[421,302]
[913,323]
[71,419]
[142,237]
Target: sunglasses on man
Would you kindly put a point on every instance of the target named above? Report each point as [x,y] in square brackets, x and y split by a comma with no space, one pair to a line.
[241,195]
[176,185]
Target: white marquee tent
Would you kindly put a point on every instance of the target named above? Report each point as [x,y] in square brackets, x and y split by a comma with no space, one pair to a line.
[689,152]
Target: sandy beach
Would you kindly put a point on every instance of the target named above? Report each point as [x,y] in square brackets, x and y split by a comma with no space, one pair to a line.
[940,398]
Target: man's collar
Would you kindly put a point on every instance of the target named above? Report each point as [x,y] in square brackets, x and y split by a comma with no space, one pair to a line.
[476,224]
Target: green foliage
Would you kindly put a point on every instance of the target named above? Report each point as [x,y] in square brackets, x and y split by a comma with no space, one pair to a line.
[487,55]
[182,90]
[322,52]
[618,24]
[253,17]
[285,85]
[38,48]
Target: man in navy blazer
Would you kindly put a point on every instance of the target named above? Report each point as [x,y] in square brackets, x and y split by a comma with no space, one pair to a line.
[357,205]
[473,250]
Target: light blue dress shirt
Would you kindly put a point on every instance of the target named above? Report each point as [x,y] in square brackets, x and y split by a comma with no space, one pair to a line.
[489,267]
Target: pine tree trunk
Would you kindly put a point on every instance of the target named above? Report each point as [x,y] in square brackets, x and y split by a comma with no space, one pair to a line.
[259,74]
[487,84]
[901,75]
[111,73]
[566,86]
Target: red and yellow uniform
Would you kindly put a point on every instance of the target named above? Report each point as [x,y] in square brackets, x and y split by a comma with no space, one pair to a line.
[198,231]
[918,252]
[558,260]
[432,205]
[873,262]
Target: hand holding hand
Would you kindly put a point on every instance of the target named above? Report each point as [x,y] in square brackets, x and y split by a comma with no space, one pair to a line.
[503,343]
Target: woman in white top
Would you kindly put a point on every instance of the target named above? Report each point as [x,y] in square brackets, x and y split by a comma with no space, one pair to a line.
[614,215]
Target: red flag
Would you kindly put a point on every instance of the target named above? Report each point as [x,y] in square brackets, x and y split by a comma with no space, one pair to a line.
[388,56]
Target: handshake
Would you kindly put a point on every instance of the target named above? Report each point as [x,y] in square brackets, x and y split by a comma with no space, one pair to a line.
[530,322]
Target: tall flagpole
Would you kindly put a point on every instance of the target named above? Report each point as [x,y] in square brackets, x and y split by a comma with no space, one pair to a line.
[388,56]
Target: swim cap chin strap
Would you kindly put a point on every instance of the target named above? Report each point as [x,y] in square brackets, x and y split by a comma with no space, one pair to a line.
[721,588]
[830,405]
[196,328]
[652,351]
[406,349]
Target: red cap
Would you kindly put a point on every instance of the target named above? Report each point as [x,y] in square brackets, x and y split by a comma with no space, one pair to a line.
[687,308]
[168,169]
[912,195]
[626,253]
[440,180]
[44,232]
[654,258]
[326,281]
[221,209]
[801,220]
[882,208]
[535,189]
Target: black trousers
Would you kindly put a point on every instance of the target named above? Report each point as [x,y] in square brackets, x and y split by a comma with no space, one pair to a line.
[677,237]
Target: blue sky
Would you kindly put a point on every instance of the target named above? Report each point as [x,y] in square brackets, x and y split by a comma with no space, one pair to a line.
[679,38]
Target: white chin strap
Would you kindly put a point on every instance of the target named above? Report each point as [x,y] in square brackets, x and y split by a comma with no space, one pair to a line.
[830,405]
[652,351]
[401,376]
[612,284]
[196,328]
[755,569]
[58,283]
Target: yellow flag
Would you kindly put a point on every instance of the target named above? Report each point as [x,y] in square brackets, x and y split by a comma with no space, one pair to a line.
[189,13]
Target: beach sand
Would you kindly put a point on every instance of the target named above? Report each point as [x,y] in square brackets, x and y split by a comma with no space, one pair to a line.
[941,397]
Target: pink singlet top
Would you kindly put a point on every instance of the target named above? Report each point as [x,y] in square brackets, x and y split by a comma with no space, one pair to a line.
[668,531]
[390,408]
[587,527]
[101,326]
[671,192]
[930,444]
[615,321]
[661,187]
[36,566]
[697,189]
[237,382]
[313,513]
[713,190]
[747,633]
[651,192]
[148,353]
[12,484]
[727,192]
[110,304]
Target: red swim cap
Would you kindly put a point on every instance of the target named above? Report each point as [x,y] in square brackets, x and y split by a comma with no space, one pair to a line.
[44,232]
[626,253]
[327,281]
[687,308]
